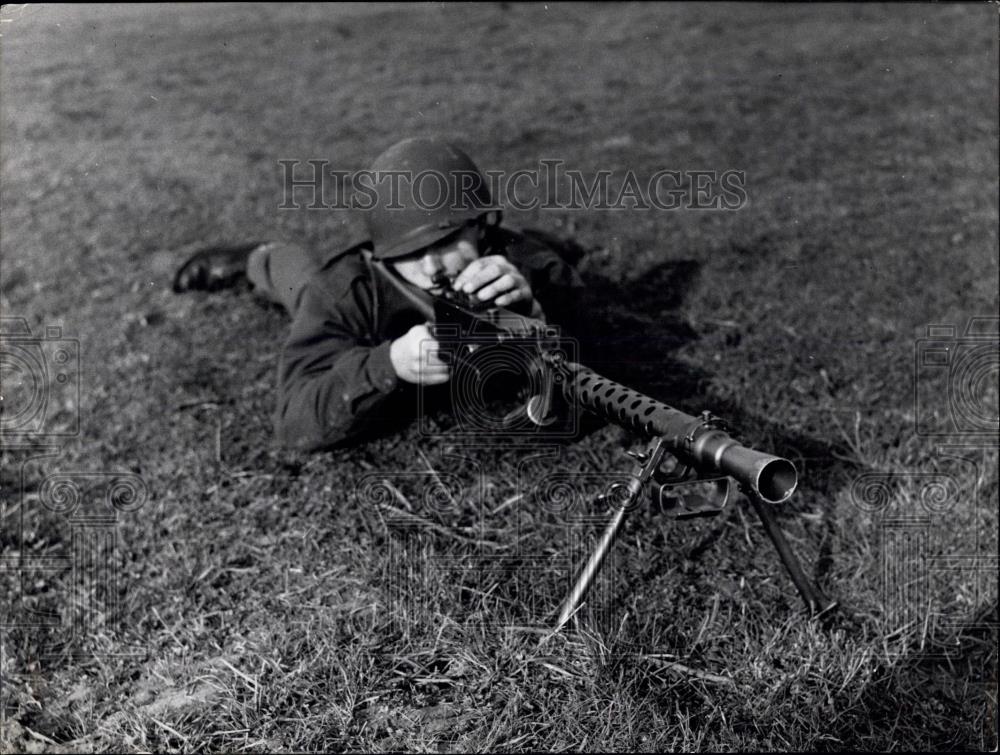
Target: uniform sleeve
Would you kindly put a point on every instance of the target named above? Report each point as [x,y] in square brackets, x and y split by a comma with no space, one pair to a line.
[334,383]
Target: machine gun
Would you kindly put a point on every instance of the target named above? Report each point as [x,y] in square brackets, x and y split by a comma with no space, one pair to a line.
[687,456]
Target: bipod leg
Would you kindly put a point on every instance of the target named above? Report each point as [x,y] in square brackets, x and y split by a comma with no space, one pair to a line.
[815,600]
[592,566]
[624,496]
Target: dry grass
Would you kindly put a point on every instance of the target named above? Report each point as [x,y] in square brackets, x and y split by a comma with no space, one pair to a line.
[266,602]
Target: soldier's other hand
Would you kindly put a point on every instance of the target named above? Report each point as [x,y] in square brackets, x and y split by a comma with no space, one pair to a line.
[494,278]
[415,358]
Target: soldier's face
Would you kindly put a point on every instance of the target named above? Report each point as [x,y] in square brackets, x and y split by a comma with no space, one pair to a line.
[449,257]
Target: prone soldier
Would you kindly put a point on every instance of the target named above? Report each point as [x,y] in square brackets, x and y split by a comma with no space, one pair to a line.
[359,344]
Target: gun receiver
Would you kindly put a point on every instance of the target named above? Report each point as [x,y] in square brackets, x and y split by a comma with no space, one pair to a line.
[703,452]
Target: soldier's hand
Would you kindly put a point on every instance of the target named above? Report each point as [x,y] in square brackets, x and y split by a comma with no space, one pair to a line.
[494,278]
[415,358]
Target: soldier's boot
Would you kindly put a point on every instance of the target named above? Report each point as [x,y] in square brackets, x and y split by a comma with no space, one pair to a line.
[214,268]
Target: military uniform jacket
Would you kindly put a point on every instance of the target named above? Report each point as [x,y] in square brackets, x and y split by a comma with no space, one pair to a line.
[336,382]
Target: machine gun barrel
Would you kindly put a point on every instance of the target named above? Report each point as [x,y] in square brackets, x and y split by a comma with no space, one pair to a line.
[699,442]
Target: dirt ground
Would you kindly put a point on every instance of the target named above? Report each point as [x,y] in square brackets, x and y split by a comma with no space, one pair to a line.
[239,596]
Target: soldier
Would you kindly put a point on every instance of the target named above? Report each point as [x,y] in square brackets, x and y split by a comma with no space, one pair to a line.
[353,358]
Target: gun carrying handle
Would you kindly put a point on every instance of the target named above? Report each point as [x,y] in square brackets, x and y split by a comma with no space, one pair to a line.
[686,499]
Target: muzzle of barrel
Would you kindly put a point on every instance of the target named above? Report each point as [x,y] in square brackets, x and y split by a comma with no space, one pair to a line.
[771,478]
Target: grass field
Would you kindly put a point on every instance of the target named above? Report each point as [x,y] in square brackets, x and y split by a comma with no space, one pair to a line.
[255,599]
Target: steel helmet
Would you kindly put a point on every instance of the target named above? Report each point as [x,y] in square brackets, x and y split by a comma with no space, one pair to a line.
[425,190]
